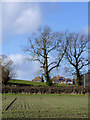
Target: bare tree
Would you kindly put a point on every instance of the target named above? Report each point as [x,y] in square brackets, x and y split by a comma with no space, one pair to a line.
[76,53]
[6,69]
[44,44]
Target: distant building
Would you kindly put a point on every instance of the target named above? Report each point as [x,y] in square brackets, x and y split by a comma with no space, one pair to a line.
[61,80]
[38,79]
[70,82]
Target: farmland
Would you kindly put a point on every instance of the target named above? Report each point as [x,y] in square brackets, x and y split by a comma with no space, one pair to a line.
[44,106]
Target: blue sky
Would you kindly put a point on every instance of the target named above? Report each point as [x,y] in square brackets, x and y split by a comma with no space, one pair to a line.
[21,19]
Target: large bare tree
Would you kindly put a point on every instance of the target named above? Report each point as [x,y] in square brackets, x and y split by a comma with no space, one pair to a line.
[77,53]
[43,45]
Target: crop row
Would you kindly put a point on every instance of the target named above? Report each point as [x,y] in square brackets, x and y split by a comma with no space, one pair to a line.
[4,98]
[10,104]
[6,103]
[39,106]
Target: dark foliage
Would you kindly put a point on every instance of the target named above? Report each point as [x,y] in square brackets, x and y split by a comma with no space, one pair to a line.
[46,90]
[6,69]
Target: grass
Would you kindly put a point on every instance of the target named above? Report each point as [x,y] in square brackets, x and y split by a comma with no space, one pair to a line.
[45,106]
[63,85]
[33,83]
[26,82]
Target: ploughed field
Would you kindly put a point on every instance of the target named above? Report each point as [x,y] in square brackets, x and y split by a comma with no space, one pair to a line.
[44,106]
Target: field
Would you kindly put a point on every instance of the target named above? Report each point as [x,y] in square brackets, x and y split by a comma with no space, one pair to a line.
[44,106]
[25,82]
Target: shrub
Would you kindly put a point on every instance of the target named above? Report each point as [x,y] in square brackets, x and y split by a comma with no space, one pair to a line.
[45,90]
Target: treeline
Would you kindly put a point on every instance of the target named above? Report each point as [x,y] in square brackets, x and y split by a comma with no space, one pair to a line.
[46,89]
[49,49]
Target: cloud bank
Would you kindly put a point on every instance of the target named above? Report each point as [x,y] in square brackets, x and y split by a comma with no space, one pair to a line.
[20,18]
[25,70]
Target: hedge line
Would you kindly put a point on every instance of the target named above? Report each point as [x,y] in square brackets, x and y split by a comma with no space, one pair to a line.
[46,90]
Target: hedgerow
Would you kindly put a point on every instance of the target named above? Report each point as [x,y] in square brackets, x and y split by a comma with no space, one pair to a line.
[46,89]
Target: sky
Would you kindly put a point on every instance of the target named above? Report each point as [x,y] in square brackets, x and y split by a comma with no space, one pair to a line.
[20,19]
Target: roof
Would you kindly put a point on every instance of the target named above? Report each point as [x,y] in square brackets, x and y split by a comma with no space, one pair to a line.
[68,79]
[61,78]
[57,78]
[37,79]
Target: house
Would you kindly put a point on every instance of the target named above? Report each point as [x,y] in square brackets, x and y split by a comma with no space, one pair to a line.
[38,79]
[58,79]
[70,82]
[61,80]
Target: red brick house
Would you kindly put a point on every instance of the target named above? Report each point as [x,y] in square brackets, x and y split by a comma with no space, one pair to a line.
[61,80]
[38,79]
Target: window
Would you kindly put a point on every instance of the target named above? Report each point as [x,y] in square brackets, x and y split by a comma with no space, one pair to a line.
[38,80]
[60,78]
[60,81]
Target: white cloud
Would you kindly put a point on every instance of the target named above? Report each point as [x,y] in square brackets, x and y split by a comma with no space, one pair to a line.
[26,70]
[21,17]
[28,20]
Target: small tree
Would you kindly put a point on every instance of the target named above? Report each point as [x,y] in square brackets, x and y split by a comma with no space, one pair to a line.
[76,53]
[6,69]
[42,45]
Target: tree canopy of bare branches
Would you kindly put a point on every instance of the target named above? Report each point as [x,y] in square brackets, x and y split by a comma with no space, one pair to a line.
[44,44]
[6,69]
[77,53]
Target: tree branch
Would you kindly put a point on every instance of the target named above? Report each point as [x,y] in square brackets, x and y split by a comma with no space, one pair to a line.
[52,63]
[70,61]
[37,59]
[83,65]
[58,62]
[52,49]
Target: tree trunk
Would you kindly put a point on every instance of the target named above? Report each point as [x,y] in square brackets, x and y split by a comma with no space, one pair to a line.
[79,81]
[48,81]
